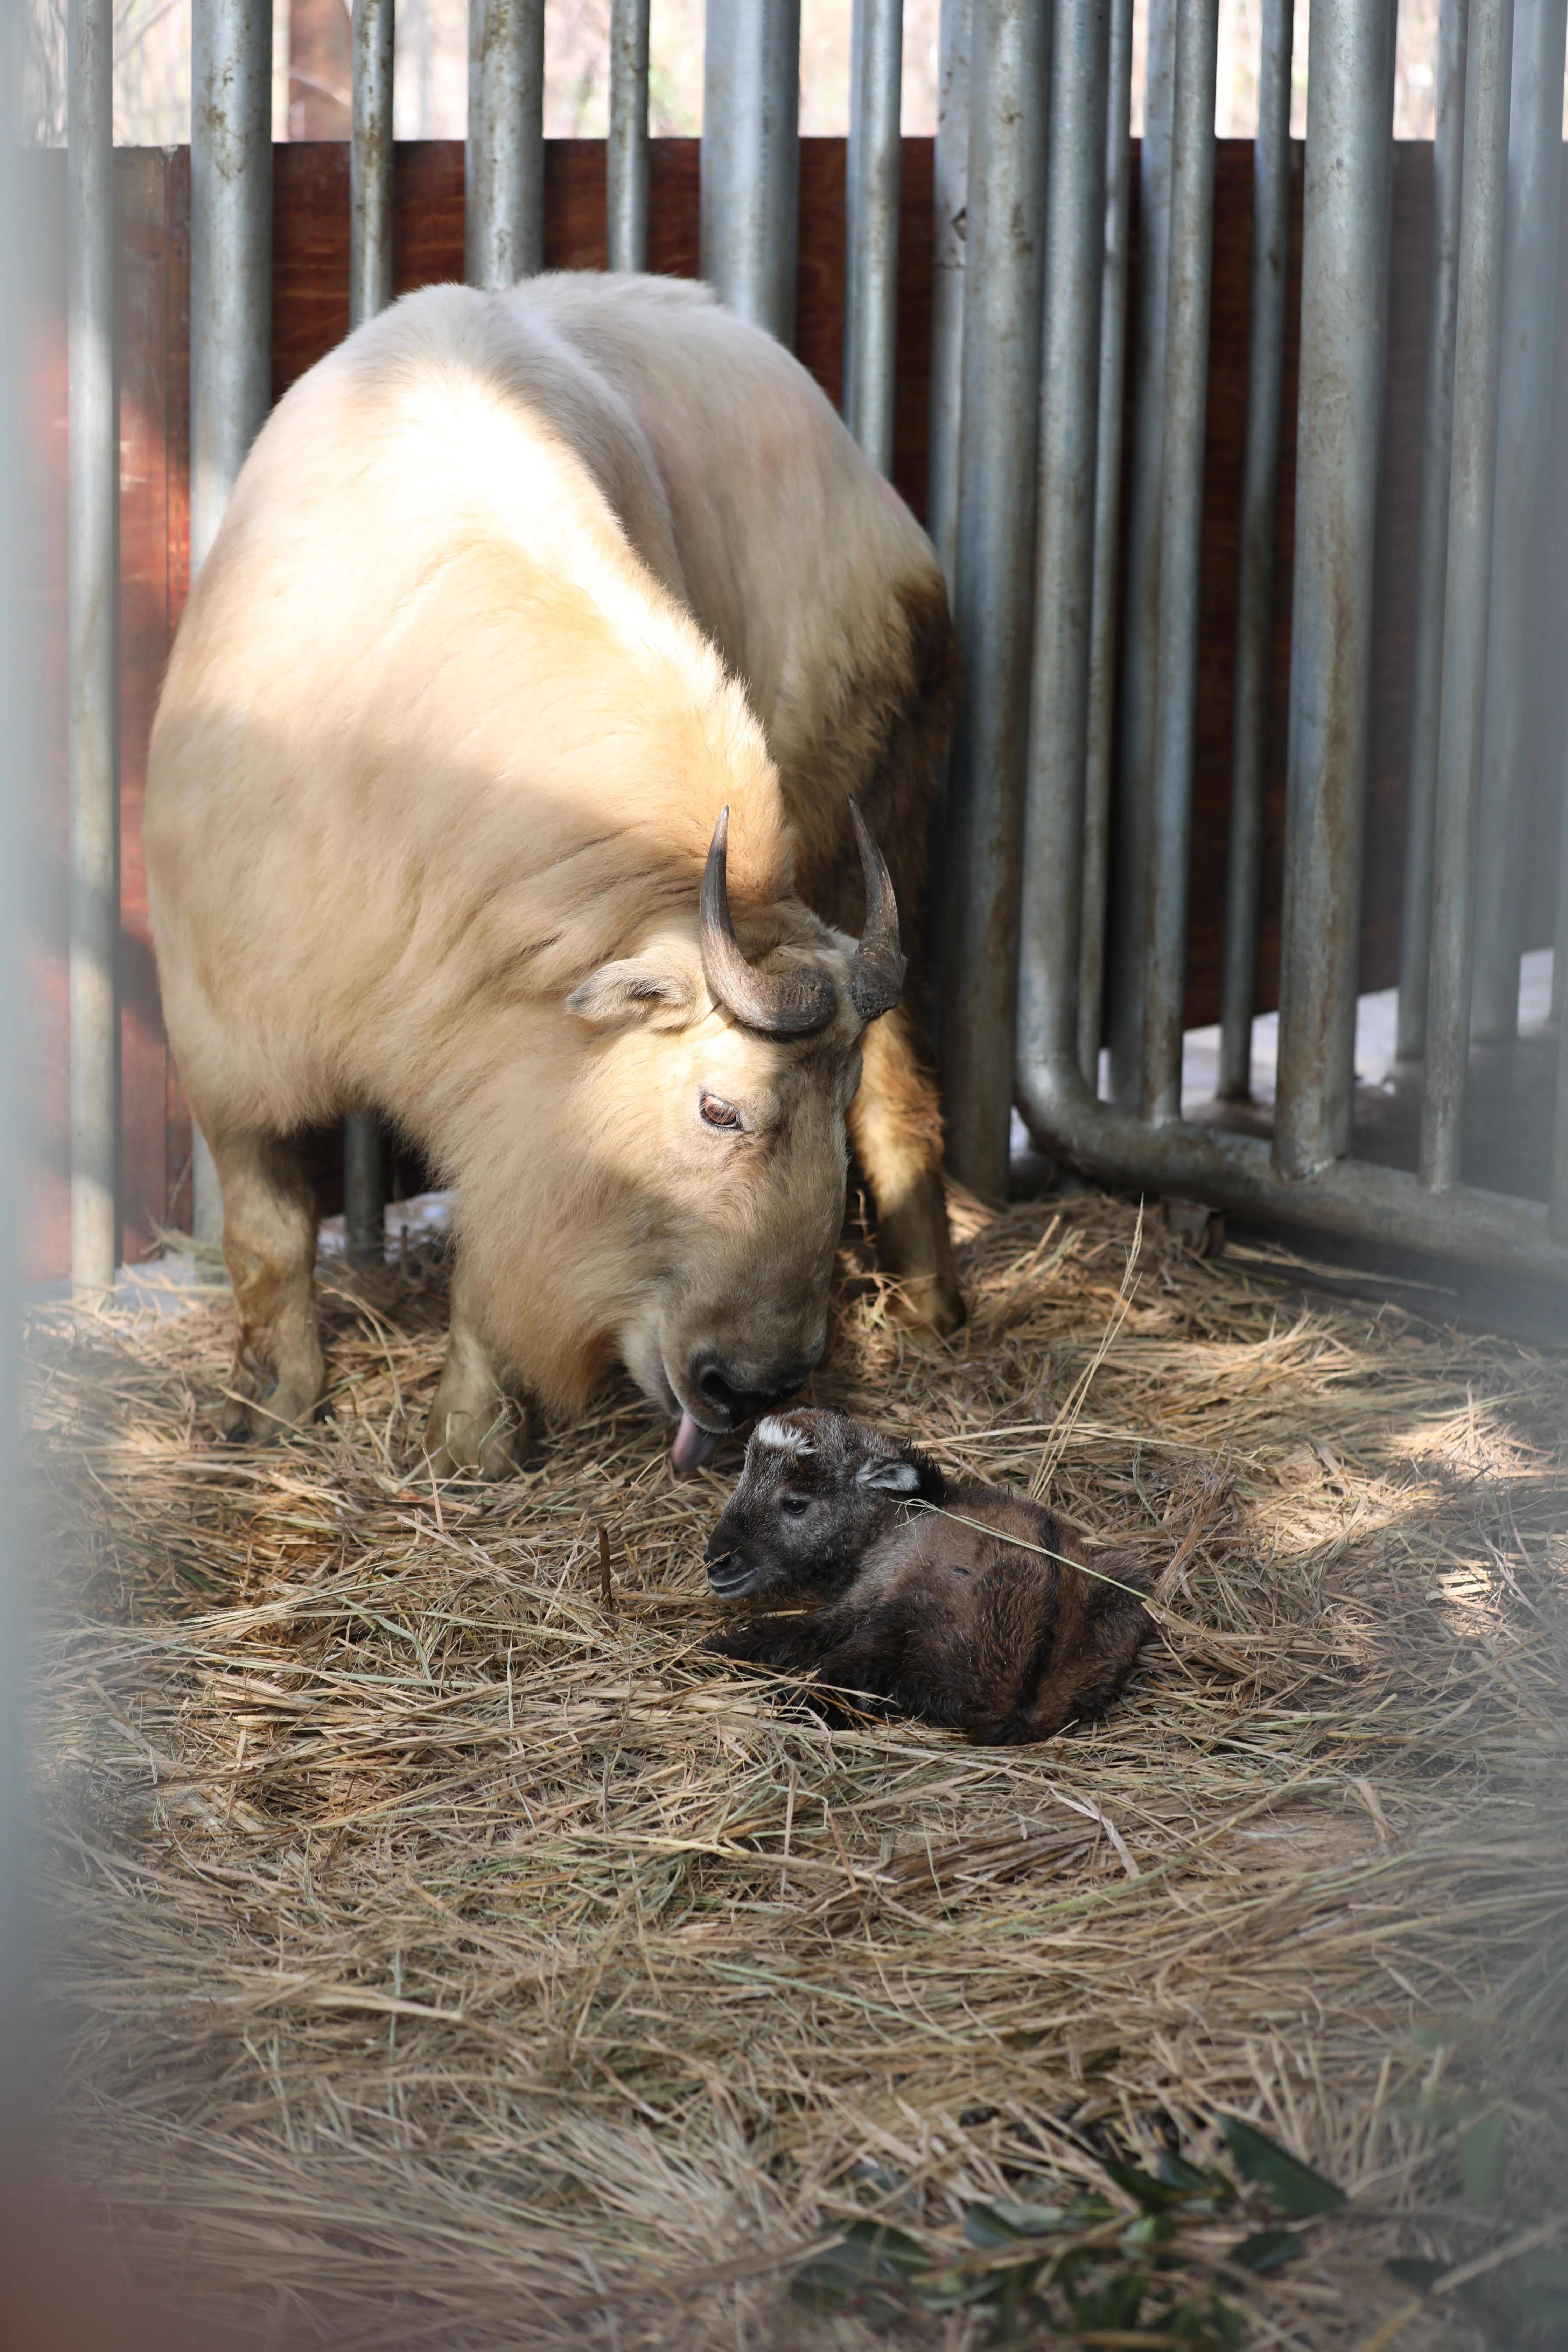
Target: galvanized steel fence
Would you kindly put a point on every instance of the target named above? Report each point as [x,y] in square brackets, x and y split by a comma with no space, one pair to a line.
[1025,473]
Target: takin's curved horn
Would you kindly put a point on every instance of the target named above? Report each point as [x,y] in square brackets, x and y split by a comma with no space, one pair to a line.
[781,1003]
[877,975]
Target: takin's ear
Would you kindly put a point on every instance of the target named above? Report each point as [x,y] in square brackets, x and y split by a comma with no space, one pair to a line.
[888,1475]
[654,988]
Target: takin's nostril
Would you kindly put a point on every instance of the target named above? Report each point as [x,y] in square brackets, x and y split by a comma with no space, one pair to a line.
[721,1387]
[725,1388]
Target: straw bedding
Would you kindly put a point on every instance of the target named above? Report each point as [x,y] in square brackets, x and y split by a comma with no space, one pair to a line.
[448,1958]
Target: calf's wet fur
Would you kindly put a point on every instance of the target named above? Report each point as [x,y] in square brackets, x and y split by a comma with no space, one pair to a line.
[953,1600]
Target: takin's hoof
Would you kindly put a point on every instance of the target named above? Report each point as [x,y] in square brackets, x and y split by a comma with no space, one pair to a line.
[928,1302]
[493,1444]
[260,1408]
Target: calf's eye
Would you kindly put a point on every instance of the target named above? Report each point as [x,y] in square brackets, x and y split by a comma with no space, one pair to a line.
[717,1112]
[794,1507]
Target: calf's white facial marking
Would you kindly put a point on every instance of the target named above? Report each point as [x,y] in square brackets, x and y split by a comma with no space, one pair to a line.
[770,1431]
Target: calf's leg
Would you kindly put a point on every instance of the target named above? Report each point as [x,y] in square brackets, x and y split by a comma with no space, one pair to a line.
[895,1128]
[270,1249]
[472,1424]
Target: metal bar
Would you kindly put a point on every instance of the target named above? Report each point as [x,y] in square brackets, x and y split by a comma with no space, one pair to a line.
[366,1155]
[231,307]
[1353,1197]
[751,159]
[626,155]
[1345,276]
[1478,334]
[93,531]
[1432,534]
[993,581]
[1259,539]
[1107,442]
[1181,550]
[1140,650]
[1049,927]
[871,189]
[366,1166]
[369,161]
[504,231]
[951,169]
[1524,427]
[1559,1213]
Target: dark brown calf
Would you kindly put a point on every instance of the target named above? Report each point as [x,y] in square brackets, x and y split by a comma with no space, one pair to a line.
[955,1601]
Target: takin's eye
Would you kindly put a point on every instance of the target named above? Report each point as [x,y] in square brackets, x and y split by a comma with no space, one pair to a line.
[717,1112]
[795,1507]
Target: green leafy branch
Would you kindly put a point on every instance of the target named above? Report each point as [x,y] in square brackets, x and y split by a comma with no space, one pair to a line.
[1088,2268]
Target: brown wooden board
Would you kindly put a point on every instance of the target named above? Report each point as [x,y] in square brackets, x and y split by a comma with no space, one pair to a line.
[311,314]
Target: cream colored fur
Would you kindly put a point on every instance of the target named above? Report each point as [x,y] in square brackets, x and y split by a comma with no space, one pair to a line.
[441,747]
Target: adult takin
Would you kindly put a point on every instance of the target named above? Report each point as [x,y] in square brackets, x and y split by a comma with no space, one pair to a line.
[515,596]
[953,1600]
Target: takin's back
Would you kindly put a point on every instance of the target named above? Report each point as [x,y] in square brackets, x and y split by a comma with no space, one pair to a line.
[444,727]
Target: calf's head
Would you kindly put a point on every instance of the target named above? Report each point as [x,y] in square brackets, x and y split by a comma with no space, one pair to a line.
[817,1491]
[717,1103]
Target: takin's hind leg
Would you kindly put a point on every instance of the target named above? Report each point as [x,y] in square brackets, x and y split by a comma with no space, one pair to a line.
[479,1419]
[895,1126]
[269,1248]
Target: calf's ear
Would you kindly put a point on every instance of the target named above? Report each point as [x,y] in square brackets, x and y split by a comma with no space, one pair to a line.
[658,989]
[888,1475]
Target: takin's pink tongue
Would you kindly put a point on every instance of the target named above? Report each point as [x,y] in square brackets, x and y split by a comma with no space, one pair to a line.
[691,1448]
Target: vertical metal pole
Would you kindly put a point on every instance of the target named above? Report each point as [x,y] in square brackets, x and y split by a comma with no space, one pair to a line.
[366,1155]
[1108,443]
[1432,534]
[626,157]
[751,159]
[1181,550]
[1141,652]
[94,524]
[1259,538]
[1344,303]
[1558,1213]
[231,305]
[872,216]
[995,577]
[369,161]
[1478,335]
[1050,919]
[950,166]
[1525,429]
[504,232]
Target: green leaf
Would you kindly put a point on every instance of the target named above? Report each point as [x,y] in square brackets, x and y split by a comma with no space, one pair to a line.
[1149,2230]
[1002,2222]
[1218,2327]
[1542,2307]
[1419,2270]
[1177,2173]
[1154,2195]
[847,2276]
[1483,2152]
[1266,2250]
[1287,2183]
[1116,2302]
[886,2252]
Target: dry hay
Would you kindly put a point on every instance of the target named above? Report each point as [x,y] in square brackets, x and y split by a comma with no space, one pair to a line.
[444,1958]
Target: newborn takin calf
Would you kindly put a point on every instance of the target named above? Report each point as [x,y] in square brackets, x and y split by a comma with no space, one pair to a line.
[920,1612]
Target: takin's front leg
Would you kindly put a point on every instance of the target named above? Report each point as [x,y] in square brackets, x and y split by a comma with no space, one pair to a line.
[269,1248]
[479,1420]
[895,1128]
